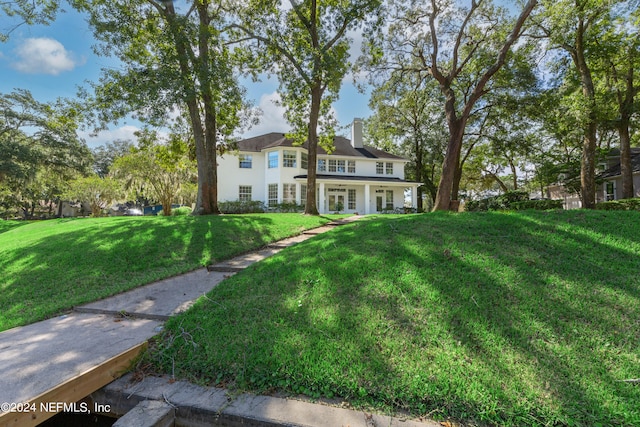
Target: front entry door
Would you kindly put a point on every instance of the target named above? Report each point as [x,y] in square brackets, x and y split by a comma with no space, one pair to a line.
[334,201]
[379,203]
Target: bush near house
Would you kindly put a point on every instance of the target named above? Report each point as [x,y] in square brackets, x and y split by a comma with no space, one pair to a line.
[241,207]
[620,205]
[181,211]
[497,203]
[540,205]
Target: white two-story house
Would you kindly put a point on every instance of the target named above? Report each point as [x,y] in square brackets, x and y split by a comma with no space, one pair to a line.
[358,178]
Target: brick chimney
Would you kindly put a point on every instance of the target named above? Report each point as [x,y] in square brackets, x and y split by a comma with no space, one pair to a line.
[356,133]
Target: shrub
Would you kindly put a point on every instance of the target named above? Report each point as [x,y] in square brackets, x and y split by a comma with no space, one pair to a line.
[240,207]
[497,203]
[540,205]
[620,205]
[182,210]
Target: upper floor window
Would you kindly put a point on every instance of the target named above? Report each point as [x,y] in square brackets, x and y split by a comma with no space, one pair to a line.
[379,168]
[389,168]
[340,166]
[289,159]
[246,161]
[273,159]
[322,165]
[351,166]
[304,160]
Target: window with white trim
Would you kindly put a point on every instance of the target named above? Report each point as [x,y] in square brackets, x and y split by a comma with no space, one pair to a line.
[351,199]
[322,165]
[244,193]
[272,195]
[332,165]
[245,161]
[379,168]
[303,194]
[341,167]
[351,166]
[610,190]
[304,160]
[389,168]
[389,199]
[288,193]
[273,159]
[289,159]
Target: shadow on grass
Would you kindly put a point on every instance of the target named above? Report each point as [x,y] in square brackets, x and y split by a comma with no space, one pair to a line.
[63,263]
[509,319]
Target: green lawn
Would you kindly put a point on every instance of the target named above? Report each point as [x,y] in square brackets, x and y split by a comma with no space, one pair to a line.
[47,267]
[512,319]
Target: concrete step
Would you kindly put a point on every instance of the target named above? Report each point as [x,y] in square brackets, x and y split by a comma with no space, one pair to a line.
[148,413]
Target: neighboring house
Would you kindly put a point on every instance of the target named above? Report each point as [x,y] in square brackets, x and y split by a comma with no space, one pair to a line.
[611,188]
[560,192]
[359,178]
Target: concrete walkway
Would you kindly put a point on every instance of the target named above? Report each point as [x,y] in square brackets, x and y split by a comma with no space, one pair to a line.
[36,359]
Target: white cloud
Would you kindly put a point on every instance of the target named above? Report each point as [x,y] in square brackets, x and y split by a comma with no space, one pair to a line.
[44,56]
[272,118]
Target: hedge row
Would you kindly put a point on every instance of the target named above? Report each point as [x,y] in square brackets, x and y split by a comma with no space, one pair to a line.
[256,206]
[620,205]
[511,200]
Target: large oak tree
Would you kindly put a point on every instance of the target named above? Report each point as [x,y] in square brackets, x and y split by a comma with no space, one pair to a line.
[462,48]
[175,58]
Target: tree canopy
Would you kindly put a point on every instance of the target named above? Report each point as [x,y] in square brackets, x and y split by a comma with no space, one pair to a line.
[306,44]
[176,60]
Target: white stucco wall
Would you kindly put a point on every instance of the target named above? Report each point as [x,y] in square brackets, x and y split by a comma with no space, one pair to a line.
[231,176]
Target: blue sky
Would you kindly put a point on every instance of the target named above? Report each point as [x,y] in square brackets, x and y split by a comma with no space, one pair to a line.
[53,61]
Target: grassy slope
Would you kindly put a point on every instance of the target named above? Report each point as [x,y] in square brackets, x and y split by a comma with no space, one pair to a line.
[510,319]
[49,266]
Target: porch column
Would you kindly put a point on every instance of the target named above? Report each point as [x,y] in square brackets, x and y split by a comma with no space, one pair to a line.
[321,202]
[367,199]
[414,197]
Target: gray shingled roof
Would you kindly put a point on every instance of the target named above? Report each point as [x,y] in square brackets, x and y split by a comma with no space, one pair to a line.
[342,146]
[616,170]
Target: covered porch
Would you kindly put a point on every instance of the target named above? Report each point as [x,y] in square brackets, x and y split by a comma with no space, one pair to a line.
[363,195]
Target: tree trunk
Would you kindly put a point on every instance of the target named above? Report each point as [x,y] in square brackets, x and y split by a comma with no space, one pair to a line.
[626,110]
[589,143]
[316,94]
[419,172]
[626,169]
[204,135]
[450,165]
[209,202]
